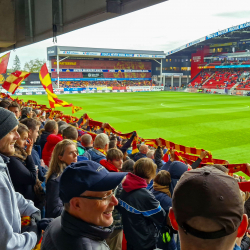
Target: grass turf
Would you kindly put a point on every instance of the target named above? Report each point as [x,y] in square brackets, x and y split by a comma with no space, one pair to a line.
[216,123]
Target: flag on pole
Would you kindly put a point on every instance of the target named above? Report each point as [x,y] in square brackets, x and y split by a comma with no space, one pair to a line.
[14,80]
[47,85]
[76,109]
[4,63]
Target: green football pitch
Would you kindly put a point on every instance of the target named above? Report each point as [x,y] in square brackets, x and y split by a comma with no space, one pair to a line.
[218,123]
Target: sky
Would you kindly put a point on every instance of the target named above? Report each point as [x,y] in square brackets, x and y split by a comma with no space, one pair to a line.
[162,27]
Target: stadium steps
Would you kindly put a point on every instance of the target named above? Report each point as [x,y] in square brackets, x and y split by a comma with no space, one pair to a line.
[207,79]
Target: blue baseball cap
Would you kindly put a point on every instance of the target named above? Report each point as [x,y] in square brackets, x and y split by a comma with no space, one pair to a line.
[87,175]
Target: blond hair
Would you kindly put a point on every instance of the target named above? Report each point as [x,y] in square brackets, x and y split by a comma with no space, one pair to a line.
[145,168]
[56,166]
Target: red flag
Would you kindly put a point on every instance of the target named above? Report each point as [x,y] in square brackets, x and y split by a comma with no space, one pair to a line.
[14,80]
[4,63]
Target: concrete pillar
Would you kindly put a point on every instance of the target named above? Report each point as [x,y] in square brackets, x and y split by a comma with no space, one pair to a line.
[179,81]
[164,80]
[187,78]
[172,81]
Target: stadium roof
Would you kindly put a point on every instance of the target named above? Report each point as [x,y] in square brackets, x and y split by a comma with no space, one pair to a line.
[23,22]
[233,34]
[104,53]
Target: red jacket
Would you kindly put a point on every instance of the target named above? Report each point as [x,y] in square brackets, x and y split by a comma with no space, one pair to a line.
[52,140]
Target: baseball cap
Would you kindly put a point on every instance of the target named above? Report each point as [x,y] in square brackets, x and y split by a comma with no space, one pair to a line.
[210,193]
[87,175]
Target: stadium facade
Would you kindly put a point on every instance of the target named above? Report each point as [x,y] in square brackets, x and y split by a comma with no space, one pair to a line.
[96,64]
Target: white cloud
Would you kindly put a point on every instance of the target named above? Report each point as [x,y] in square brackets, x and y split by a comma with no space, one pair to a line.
[164,26]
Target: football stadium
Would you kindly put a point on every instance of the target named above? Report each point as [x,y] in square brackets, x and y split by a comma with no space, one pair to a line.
[98,127]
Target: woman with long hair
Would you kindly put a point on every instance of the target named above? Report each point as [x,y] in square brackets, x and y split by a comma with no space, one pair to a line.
[65,152]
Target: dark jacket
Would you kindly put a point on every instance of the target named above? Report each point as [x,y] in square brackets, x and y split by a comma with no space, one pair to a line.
[85,154]
[141,212]
[96,155]
[43,139]
[166,203]
[41,170]
[54,205]
[23,176]
[128,143]
[137,156]
[245,243]
[176,170]
[67,232]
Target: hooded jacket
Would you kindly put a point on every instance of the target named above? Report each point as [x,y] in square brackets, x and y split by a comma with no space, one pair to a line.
[176,170]
[68,232]
[49,146]
[43,139]
[141,212]
[82,151]
[96,155]
[11,210]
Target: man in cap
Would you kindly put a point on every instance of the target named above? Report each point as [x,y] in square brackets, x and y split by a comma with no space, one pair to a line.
[13,205]
[208,210]
[87,190]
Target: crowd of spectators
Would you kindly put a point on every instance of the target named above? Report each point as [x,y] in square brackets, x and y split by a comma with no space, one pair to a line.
[84,84]
[90,190]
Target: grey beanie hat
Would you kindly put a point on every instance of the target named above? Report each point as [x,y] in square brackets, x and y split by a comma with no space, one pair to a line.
[8,121]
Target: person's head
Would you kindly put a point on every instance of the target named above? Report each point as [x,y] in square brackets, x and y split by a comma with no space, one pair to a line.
[61,128]
[51,127]
[23,131]
[220,167]
[87,140]
[115,157]
[113,144]
[64,153]
[150,154]
[4,104]
[8,132]
[145,168]
[102,142]
[26,111]
[144,149]
[33,126]
[92,199]
[60,123]
[163,178]
[128,166]
[70,133]
[15,108]
[207,210]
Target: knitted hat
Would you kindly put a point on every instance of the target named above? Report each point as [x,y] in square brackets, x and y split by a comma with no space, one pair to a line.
[8,121]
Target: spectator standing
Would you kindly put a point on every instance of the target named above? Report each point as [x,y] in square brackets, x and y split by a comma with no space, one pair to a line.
[87,216]
[101,146]
[33,126]
[15,108]
[21,165]
[162,193]
[14,205]
[114,164]
[50,127]
[139,208]
[87,141]
[65,153]
[208,210]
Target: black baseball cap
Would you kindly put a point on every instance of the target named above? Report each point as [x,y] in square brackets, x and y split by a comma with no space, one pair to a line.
[87,175]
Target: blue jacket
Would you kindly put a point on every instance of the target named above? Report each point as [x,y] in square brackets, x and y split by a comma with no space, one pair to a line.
[41,170]
[43,139]
[176,170]
[138,156]
[96,155]
[164,199]
[85,154]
